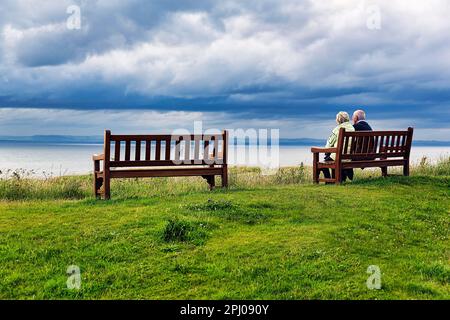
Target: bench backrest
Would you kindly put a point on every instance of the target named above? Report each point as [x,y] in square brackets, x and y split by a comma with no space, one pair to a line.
[371,145]
[165,150]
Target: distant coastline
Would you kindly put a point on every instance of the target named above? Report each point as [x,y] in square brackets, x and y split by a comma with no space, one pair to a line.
[63,139]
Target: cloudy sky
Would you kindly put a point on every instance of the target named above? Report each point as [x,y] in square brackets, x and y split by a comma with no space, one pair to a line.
[156,65]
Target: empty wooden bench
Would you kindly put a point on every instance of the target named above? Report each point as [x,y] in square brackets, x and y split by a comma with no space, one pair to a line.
[365,149]
[139,156]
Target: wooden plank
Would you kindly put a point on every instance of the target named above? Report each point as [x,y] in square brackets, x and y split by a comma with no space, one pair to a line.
[374,155]
[142,137]
[327,164]
[176,172]
[167,155]
[148,146]
[373,133]
[137,152]
[117,151]
[153,163]
[373,163]
[160,137]
[158,150]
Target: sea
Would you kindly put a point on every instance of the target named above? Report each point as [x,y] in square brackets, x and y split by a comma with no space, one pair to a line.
[59,159]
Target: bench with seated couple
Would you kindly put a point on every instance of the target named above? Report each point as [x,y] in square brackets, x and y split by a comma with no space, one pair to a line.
[364,149]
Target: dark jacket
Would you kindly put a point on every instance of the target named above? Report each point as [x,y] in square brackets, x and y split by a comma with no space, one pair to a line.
[362,126]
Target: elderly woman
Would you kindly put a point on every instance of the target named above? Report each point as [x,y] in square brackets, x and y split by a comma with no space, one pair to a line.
[343,121]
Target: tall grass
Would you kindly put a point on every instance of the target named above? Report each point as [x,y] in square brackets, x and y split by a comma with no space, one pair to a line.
[21,185]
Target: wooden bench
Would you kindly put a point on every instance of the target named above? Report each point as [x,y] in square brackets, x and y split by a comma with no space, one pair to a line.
[160,156]
[365,149]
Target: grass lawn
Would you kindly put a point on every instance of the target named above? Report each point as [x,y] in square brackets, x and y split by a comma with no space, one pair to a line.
[268,241]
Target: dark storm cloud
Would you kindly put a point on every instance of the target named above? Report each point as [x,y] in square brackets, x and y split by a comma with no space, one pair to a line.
[269,59]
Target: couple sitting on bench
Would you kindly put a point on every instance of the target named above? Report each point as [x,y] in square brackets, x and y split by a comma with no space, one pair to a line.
[343,121]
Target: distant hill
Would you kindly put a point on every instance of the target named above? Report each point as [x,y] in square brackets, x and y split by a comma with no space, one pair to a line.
[99,139]
[53,139]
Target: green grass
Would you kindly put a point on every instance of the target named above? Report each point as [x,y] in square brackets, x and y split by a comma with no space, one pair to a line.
[267,237]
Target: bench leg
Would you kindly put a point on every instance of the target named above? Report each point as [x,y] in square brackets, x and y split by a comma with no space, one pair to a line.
[210,180]
[316,172]
[406,170]
[384,171]
[338,176]
[106,189]
[225,178]
[98,182]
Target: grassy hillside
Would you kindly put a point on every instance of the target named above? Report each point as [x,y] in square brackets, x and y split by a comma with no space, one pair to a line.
[267,237]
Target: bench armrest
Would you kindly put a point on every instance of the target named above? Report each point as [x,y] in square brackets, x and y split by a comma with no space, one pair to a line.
[323,150]
[98,157]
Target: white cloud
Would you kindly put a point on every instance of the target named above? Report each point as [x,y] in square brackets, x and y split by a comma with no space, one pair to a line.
[248,51]
[201,52]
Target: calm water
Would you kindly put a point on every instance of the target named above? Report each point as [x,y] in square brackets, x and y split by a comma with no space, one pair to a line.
[68,159]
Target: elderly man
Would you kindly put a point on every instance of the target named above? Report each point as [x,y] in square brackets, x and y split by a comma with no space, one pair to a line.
[360,124]
[359,121]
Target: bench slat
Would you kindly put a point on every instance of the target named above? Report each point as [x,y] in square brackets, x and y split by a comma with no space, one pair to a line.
[158,150]
[137,152]
[167,155]
[148,146]
[162,137]
[154,163]
[373,163]
[127,149]
[169,172]
[374,133]
[372,155]
[117,151]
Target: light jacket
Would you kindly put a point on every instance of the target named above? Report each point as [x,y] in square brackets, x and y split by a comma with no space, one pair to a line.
[333,139]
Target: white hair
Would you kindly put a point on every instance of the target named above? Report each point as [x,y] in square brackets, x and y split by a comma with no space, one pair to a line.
[342,117]
[360,114]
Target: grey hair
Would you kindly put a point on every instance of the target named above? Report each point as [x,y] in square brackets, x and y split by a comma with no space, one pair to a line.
[360,114]
[342,117]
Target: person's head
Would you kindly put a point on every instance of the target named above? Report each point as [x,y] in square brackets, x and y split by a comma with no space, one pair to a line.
[342,117]
[358,115]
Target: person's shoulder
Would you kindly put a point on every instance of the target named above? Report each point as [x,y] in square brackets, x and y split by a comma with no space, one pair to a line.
[362,126]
